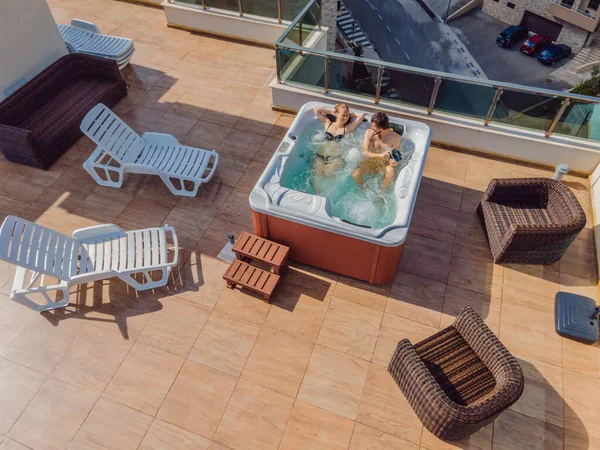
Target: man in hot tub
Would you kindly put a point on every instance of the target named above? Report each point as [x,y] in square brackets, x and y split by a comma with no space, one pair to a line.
[378,144]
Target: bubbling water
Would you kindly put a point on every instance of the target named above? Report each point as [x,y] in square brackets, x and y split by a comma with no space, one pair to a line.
[370,205]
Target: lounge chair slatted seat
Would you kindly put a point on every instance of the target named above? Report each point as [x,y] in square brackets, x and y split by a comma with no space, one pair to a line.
[91,254]
[121,150]
[85,37]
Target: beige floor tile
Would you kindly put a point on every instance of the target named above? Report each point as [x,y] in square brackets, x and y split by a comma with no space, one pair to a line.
[513,430]
[53,417]
[94,358]
[334,381]
[9,444]
[278,361]
[384,407]
[481,440]
[142,214]
[154,190]
[144,378]
[257,120]
[14,317]
[582,408]
[209,200]
[173,337]
[312,278]
[312,427]
[267,149]
[114,426]
[362,293]
[530,332]
[426,258]
[481,170]
[251,176]
[198,399]
[542,397]
[416,298]
[350,328]
[161,99]
[206,135]
[440,193]
[581,358]
[394,329]
[255,418]
[175,125]
[476,275]
[577,441]
[21,191]
[365,437]
[18,385]
[242,144]
[243,304]
[30,348]
[281,126]
[230,169]
[457,298]
[532,286]
[225,343]
[162,435]
[434,222]
[236,209]
[190,226]
[446,166]
[219,228]
[103,204]
[297,311]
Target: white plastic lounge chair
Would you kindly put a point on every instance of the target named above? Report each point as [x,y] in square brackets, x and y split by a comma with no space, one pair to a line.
[93,253]
[85,37]
[121,150]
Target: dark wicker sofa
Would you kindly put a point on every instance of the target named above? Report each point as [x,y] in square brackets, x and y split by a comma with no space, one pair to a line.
[530,220]
[459,379]
[40,121]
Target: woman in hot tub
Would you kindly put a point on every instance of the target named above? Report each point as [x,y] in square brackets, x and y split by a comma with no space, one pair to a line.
[338,123]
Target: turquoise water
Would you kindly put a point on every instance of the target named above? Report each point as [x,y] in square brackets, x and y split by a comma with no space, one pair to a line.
[369,206]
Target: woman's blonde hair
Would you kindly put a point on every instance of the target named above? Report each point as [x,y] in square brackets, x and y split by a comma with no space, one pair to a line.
[338,106]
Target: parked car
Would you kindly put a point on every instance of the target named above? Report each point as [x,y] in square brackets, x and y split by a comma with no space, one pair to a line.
[554,53]
[511,35]
[535,44]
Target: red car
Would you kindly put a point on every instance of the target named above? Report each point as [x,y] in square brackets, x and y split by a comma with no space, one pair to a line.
[535,44]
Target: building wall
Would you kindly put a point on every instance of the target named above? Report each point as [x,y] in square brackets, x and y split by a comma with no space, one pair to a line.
[570,35]
[329,20]
[29,40]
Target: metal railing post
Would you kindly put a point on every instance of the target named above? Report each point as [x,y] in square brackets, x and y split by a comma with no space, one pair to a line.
[278,64]
[436,88]
[378,88]
[241,8]
[559,114]
[278,11]
[299,32]
[495,100]
[327,69]
[203,4]
[320,18]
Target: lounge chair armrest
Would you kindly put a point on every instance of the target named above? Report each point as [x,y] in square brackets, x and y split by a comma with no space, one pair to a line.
[160,138]
[85,25]
[175,244]
[97,230]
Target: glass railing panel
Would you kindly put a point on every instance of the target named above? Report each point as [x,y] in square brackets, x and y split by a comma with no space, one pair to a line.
[581,119]
[304,69]
[291,8]
[464,99]
[525,110]
[353,77]
[229,5]
[300,33]
[263,8]
[413,89]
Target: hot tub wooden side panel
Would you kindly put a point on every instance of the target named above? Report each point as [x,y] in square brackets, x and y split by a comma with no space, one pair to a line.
[344,255]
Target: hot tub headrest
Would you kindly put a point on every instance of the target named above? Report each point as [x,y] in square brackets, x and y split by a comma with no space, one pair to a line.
[398,128]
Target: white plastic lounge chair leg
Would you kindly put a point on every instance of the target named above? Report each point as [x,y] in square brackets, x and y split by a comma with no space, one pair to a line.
[92,166]
[20,292]
[149,284]
[182,190]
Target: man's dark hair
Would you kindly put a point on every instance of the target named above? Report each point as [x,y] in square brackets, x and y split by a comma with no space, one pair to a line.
[380,119]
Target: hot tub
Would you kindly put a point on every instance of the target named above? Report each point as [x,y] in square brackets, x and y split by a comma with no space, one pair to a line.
[317,229]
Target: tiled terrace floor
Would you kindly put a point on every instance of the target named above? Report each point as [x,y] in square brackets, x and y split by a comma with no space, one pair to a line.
[197,366]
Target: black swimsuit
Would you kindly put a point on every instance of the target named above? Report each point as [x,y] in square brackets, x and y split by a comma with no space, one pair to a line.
[331,137]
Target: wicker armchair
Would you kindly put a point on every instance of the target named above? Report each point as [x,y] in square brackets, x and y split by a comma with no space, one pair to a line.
[40,121]
[530,220]
[459,379]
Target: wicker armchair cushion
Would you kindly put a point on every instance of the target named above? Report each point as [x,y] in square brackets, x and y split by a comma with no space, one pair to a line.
[458,370]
